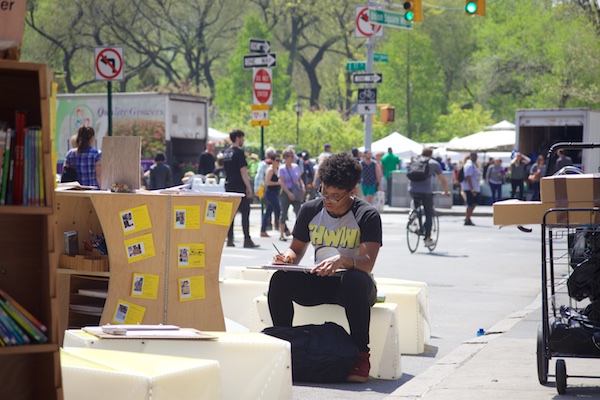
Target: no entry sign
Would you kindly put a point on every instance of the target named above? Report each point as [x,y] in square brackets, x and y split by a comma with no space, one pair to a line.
[262,86]
[109,63]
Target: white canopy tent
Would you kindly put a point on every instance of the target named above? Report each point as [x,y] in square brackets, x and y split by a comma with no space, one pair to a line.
[498,137]
[217,136]
[402,146]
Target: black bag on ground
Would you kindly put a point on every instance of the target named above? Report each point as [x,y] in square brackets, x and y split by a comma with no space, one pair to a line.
[320,353]
[418,169]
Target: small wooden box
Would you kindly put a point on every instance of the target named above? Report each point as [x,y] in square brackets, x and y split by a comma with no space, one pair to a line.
[84,263]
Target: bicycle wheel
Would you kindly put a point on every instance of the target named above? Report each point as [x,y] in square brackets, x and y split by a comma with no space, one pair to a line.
[435,231]
[413,231]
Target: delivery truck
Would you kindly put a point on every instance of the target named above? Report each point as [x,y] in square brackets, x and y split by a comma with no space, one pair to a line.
[172,123]
[538,129]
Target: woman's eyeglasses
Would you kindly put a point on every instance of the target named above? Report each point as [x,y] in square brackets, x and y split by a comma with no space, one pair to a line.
[330,199]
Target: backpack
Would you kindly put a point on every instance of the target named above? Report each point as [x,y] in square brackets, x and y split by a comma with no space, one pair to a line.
[320,353]
[461,174]
[418,169]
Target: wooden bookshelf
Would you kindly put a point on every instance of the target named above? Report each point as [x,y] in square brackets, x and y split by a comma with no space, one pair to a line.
[29,260]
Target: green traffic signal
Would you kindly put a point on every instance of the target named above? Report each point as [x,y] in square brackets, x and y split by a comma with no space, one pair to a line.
[471,7]
[409,16]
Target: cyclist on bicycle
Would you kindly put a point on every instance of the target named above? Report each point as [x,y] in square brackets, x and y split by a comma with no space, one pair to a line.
[422,190]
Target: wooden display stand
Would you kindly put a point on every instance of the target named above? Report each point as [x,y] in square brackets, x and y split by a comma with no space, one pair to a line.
[29,257]
[161,237]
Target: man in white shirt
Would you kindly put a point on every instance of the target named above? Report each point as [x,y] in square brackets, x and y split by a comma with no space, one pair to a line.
[471,186]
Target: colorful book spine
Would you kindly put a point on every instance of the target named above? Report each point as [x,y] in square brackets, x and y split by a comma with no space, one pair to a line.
[28,327]
[11,168]
[5,168]
[25,167]
[22,310]
[19,159]
[6,336]
[42,194]
[14,329]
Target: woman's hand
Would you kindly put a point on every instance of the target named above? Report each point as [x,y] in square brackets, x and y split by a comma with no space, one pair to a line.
[328,266]
[283,259]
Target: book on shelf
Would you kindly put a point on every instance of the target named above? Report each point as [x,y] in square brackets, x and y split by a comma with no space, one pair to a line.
[5,165]
[17,325]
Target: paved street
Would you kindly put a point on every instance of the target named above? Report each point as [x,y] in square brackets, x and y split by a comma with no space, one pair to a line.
[477,276]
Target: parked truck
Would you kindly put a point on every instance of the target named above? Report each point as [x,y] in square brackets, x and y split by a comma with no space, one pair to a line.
[172,123]
[538,129]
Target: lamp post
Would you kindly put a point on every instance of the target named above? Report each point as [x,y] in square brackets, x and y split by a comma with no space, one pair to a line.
[298,109]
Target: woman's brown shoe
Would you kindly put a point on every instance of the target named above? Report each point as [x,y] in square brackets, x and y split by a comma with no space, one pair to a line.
[264,234]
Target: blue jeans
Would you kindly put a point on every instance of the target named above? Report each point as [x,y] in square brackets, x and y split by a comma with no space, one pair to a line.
[496,191]
[272,198]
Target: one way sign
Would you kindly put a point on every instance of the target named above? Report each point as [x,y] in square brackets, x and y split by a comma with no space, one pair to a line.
[260,60]
[367,78]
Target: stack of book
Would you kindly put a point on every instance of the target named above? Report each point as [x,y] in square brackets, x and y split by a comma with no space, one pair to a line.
[21,165]
[17,325]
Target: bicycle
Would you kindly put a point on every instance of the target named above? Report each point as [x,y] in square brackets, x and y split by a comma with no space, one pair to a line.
[415,228]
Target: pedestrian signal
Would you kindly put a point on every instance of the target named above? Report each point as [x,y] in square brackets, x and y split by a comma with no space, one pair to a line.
[475,7]
[413,11]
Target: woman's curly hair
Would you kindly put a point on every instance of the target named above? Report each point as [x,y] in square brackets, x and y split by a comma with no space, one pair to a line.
[341,171]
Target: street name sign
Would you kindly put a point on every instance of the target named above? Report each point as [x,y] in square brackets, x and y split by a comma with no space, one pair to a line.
[388,18]
[356,66]
[367,78]
[380,57]
[260,60]
[260,46]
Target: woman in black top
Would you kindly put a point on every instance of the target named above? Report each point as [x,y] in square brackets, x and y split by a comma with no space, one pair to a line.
[271,194]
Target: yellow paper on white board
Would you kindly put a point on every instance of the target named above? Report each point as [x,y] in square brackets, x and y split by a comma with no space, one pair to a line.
[191,288]
[135,219]
[186,217]
[144,286]
[128,313]
[191,255]
[139,248]
[218,212]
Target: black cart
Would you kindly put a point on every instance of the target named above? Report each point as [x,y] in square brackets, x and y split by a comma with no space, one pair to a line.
[570,325]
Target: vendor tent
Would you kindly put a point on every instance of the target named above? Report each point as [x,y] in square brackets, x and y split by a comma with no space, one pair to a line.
[402,146]
[217,136]
[498,137]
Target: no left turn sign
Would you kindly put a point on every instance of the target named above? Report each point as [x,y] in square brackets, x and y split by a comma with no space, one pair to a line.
[109,63]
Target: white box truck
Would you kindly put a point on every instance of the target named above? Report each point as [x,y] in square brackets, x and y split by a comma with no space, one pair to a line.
[539,129]
[172,123]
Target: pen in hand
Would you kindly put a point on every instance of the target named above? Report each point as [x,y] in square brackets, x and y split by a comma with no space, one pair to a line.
[281,256]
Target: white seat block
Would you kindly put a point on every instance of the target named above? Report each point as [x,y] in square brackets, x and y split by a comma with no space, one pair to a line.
[385,351]
[105,374]
[237,298]
[412,324]
[253,365]
[252,274]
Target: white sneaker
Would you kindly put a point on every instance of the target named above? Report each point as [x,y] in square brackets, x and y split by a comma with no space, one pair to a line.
[429,243]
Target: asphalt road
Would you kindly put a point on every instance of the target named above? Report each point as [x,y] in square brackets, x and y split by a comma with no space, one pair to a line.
[476,276]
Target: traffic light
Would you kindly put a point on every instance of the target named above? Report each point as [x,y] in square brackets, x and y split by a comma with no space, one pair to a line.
[413,11]
[475,7]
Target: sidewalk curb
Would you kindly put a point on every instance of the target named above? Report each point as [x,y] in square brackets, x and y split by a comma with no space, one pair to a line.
[418,387]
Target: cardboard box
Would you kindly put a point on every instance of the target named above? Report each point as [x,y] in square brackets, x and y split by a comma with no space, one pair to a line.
[516,212]
[562,190]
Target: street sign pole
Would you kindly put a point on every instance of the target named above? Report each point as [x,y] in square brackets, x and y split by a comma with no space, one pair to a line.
[368,117]
[109,95]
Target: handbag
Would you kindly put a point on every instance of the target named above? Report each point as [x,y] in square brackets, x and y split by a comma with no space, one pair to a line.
[69,173]
[296,188]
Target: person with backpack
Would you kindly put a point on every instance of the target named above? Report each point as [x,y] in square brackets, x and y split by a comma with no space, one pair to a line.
[420,172]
